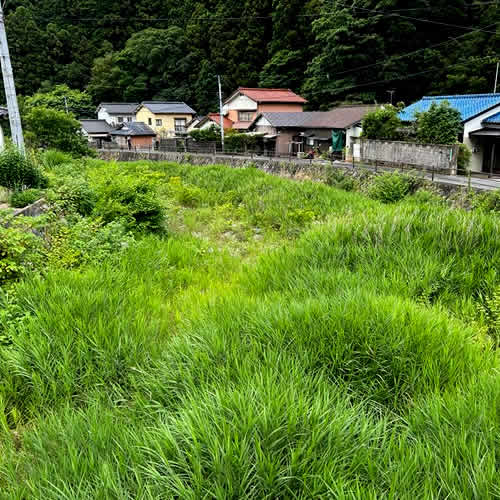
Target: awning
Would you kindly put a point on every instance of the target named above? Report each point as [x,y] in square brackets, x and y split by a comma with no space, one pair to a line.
[270,136]
[486,132]
[320,137]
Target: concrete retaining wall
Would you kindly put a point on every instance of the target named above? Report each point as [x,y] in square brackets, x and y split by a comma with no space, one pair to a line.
[442,159]
[33,210]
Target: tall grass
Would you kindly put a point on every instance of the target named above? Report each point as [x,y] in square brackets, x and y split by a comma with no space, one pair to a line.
[347,361]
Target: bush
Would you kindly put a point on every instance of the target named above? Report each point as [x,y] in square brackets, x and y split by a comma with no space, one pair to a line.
[337,178]
[382,124]
[20,251]
[463,159]
[130,198]
[73,195]
[392,187]
[21,199]
[52,129]
[440,124]
[488,202]
[17,172]
[53,158]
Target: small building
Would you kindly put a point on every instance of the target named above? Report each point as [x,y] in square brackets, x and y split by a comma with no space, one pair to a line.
[292,133]
[212,120]
[96,131]
[246,103]
[480,116]
[167,119]
[116,113]
[135,135]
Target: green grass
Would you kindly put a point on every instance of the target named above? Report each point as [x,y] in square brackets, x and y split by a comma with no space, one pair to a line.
[281,340]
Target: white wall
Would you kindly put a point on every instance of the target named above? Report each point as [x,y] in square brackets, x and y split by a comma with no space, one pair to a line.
[350,133]
[102,114]
[476,163]
[240,103]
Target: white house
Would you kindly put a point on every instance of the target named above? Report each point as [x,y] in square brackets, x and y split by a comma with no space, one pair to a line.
[116,113]
[481,121]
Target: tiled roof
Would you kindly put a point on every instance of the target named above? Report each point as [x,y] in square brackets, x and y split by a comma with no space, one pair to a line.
[117,108]
[270,95]
[338,118]
[168,107]
[134,129]
[96,126]
[469,105]
[493,119]
[215,117]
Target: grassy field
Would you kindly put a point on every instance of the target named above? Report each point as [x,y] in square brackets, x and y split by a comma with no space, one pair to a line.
[277,340]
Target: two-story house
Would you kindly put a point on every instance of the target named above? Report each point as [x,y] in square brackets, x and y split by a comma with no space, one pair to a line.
[167,119]
[117,113]
[245,104]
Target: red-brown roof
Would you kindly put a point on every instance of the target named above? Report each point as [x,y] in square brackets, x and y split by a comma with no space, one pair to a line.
[270,95]
[215,117]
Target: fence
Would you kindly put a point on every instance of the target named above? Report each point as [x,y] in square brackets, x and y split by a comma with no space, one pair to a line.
[186,145]
[438,158]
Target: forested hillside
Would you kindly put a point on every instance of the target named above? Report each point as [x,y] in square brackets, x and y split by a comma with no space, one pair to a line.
[330,51]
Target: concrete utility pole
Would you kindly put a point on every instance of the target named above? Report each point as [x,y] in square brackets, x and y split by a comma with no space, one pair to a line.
[221,117]
[10,89]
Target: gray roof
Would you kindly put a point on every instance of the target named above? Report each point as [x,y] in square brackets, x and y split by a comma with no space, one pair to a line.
[166,107]
[134,128]
[119,108]
[96,126]
[338,118]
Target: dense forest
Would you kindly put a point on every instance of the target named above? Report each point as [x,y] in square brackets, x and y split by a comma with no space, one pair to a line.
[329,51]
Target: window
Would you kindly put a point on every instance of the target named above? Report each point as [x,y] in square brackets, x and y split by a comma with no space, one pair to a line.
[180,125]
[150,121]
[129,118]
[245,116]
[159,122]
[120,119]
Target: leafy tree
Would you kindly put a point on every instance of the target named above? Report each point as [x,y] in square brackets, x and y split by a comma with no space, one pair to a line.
[440,124]
[382,123]
[77,102]
[283,70]
[53,129]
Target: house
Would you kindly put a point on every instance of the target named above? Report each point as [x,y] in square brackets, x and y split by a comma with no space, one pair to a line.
[134,135]
[212,120]
[480,116]
[96,131]
[167,119]
[116,113]
[245,104]
[292,133]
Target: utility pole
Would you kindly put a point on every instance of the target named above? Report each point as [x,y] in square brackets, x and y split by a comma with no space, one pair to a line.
[221,114]
[9,87]
[392,93]
[496,79]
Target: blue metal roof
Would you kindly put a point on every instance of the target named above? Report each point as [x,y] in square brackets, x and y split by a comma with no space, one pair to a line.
[469,105]
[493,118]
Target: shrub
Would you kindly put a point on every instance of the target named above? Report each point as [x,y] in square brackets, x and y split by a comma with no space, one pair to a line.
[488,202]
[73,195]
[382,124]
[440,124]
[53,158]
[132,199]
[463,159]
[17,172]
[337,178]
[21,199]
[392,187]
[52,129]
[20,251]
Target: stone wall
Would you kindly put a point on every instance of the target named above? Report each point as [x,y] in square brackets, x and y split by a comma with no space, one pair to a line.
[33,210]
[435,157]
